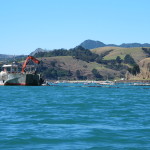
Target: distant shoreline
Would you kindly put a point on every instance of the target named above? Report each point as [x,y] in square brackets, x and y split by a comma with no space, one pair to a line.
[132,81]
[94,81]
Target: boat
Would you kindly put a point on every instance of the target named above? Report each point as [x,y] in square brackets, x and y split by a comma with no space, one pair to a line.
[27,76]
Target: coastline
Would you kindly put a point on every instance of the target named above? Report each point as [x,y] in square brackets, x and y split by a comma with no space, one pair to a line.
[99,82]
[132,81]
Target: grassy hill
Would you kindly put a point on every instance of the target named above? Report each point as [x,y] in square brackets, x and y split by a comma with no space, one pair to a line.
[102,59]
[144,74]
[137,53]
[85,68]
[95,64]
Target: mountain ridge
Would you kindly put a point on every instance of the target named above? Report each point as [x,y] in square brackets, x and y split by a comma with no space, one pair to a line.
[87,44]
[91,44]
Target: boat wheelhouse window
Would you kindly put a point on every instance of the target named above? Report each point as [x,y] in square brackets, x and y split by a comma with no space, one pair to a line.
[7,69]
[10,68]
[14,69]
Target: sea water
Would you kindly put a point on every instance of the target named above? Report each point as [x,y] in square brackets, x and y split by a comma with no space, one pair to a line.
[75,117]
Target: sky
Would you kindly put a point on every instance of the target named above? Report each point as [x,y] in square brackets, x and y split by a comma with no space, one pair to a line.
[26,25]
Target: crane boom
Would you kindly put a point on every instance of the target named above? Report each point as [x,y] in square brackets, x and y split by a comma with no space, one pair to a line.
[27,60]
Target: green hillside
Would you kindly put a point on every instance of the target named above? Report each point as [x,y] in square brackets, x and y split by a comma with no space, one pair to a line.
[99,63]
[137,53]
[96,64]
[85,68]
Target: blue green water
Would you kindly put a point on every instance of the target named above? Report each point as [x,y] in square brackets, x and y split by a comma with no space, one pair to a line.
[74,118]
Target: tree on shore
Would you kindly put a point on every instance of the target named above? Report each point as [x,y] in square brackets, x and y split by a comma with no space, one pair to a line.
[134,70]
[96,74]
[129,60]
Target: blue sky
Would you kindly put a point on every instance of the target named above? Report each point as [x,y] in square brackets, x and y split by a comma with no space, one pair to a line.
[51,24]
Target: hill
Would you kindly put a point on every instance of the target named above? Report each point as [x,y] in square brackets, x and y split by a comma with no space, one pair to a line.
[98,64]
[80,63]
[37,51]
[5,57]
[91,44]
[109,62]
[68,63]
[144,71]
[112,52]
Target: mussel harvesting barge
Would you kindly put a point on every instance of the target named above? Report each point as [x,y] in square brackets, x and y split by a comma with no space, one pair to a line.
[10,74]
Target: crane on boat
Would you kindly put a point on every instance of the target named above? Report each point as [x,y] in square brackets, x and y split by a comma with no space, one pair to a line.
[27,61]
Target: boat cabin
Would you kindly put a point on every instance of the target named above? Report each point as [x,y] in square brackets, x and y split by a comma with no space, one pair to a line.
[12,68]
